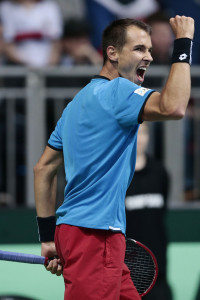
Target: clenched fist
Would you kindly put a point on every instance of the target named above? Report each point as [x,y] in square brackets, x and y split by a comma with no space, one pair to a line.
[183,27]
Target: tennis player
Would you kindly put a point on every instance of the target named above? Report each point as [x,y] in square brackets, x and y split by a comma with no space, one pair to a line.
[96,138]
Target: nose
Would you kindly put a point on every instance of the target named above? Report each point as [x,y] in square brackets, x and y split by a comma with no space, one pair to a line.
[148,57]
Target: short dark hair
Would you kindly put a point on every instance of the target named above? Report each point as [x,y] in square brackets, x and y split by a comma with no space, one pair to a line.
[115,33]
[76,28]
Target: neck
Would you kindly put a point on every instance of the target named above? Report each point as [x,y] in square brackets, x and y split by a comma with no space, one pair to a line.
[140,161]
[109,70]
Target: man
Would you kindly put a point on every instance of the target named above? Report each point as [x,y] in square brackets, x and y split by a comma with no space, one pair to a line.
[97,136]
[31,30]
[162,38]
[76,46]
[146,202]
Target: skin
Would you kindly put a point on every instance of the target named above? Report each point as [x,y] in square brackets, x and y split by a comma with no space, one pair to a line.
[81,50]
[142,144]
[170,104]
[45,184]
[162,40]
[135,53]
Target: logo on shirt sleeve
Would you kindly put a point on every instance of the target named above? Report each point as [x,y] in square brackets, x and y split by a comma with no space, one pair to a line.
[141,91]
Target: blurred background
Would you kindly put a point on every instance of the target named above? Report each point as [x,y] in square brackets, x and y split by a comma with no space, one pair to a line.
[50,49]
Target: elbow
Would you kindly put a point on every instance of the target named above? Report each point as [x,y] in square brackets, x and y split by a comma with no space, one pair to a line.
[40,170]
[180,115]
[173,107]
[37,169]
[173,113]
[177,114]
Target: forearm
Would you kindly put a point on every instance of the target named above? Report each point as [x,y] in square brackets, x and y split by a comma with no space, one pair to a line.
[175,95]
[45,193]
[12,55]
[172,103]
[45,197]
[55,53]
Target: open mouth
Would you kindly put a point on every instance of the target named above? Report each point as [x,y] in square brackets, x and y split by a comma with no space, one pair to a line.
[140,73]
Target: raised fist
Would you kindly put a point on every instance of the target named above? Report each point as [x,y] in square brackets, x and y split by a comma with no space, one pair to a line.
[183,27]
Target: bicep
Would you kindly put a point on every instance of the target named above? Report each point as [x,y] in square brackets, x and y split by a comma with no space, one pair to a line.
[51,159]
[153,109]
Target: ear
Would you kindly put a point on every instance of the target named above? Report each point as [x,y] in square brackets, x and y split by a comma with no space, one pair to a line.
[112,53]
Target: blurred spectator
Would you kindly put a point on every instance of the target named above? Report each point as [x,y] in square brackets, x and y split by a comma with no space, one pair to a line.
[2,47]
[187,8]
[72,9]
[76,45]
[162,41]
[191,121]
[31,30]
[162,38]
[145,210]
[102,12]
[138,9]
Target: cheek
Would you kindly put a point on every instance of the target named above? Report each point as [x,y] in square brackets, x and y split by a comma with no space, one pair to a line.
[162,40]
[128,62]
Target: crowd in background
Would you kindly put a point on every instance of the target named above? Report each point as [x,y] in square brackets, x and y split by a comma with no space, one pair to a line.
[39,33]
[44,33]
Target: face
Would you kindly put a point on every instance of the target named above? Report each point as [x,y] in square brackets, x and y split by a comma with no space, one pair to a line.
[71,45]
[135,57]
[162,37]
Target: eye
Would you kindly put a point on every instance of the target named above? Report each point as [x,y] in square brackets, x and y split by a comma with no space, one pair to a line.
[150,51]
[139,49]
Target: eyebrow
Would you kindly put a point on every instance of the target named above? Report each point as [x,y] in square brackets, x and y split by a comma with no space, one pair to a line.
[142,46]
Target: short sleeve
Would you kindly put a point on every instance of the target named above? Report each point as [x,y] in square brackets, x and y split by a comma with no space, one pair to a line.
[55,140]
[128,100]
[6,17]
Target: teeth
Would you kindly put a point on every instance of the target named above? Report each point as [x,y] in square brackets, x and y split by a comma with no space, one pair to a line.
[142,68]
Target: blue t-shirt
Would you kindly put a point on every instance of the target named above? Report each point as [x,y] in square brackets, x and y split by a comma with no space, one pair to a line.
[97,134]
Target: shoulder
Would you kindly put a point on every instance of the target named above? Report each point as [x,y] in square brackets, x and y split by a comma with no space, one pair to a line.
[124,82]
[49,5]
[118,82]
[6,6]
[126,85]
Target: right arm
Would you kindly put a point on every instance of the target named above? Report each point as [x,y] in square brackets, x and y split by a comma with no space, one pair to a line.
[45,183]
[172,102]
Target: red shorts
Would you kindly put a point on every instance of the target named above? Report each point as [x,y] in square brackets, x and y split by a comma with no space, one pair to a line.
[93,264]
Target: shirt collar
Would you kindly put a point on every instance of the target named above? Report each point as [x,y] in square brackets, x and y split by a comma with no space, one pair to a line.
[100,77]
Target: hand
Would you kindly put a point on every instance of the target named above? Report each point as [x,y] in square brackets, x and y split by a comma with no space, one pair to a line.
[49,250]
[183,27]
[86,52]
